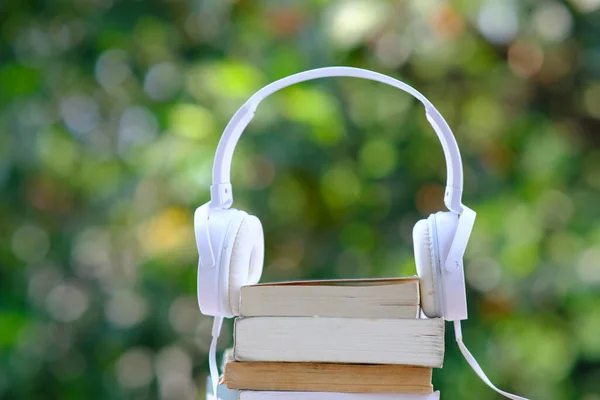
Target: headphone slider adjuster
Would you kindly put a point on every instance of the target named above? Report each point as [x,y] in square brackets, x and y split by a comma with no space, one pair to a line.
[222,195]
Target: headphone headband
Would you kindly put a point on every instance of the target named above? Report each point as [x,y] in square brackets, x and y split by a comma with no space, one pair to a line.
[221,190]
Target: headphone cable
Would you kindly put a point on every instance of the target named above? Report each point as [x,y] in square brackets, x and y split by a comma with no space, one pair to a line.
[475,365]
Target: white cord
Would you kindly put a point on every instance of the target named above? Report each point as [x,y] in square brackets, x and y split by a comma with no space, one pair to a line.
[212,355]
[475,365]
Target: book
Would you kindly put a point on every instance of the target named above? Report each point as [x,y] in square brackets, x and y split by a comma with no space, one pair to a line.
[259,395]
[325,377]
[418,342]
[359,298]
[232,394]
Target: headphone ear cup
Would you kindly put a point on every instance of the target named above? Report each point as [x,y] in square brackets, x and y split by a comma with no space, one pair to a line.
[425,248]
[246,260]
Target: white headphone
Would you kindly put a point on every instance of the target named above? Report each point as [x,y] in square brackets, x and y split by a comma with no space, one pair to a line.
[231,244]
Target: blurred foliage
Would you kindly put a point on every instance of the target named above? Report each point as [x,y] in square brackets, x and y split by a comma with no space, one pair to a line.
[110,113]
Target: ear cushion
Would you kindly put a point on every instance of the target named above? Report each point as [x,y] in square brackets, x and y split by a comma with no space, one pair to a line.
[427,268]
[247,258]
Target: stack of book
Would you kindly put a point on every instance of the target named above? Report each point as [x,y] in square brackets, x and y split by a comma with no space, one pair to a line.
[340,339]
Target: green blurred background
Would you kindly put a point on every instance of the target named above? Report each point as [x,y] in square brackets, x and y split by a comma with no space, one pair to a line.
[110,113]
